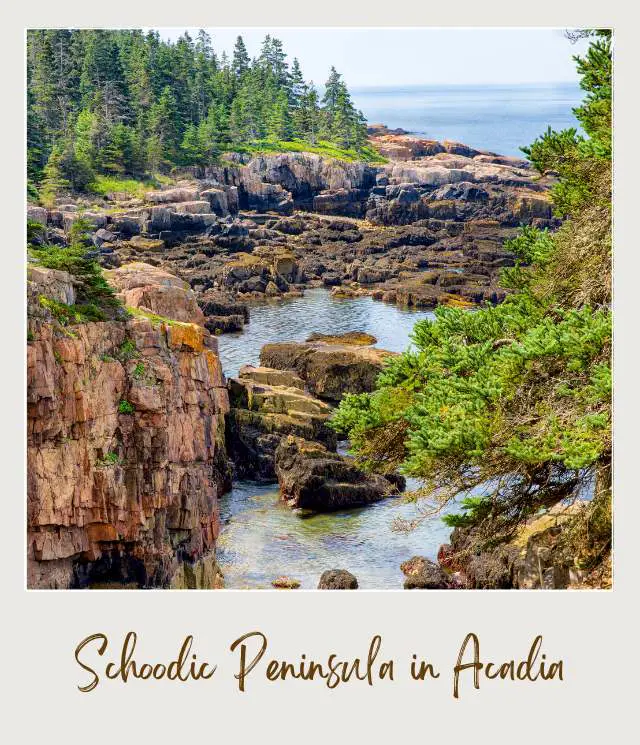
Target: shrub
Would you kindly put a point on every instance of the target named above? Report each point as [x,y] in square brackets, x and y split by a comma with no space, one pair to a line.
[124,407]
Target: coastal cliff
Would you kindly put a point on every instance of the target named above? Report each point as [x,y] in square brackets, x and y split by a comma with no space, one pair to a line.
[126,456]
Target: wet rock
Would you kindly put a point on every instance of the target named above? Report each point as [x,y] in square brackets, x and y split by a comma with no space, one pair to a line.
[356,338]
[423,574]
[337,579]
[313,478]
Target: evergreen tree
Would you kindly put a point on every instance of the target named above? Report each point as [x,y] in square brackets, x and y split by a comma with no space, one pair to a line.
[240,61]
[126,101]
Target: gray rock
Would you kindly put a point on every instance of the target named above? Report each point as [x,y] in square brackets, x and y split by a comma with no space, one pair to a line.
[337,579]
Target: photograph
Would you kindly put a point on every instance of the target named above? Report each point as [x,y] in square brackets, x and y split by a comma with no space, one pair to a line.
[318,308]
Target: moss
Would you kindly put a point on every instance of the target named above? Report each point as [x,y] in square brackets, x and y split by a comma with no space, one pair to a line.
[109,459]
[127,351]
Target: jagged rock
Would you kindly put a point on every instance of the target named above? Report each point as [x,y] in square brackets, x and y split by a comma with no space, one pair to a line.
[337,579]
[314,478]
[329,370]
[167,196]
[52,283]
[37,214]
[122,495]
[262,413]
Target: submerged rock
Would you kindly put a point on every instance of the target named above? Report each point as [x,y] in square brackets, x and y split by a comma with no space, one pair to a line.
[337,579]
[314,478]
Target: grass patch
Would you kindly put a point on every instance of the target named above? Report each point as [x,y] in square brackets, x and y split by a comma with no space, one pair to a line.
[103,185]
[153,317]
[322,147]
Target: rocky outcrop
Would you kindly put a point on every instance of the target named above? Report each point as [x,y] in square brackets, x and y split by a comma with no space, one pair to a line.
[267,405]
[314,478]
[126,456]
[534,559]
[329,370]
[436,218]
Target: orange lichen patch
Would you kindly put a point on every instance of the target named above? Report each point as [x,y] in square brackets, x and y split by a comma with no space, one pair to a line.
[101,532]
[215,368]
[185,335]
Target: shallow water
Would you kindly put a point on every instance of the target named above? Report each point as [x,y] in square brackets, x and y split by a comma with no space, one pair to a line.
[296,319]
[261,538]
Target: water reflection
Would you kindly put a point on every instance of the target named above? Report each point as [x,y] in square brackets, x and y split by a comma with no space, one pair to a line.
[317,311]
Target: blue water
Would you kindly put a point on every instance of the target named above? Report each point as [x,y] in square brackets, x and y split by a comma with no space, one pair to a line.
[500,118]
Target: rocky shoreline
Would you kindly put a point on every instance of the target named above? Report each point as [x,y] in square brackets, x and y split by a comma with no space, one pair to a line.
[133,430]
[427,227]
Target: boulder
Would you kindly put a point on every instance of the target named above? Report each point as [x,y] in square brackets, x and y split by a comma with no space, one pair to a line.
[267,405]
[355,338]
[217,199]
[138,243]
[285,583]
[151,288]
[313,478]
[423,574]
[199,207]
[271,377]
[337,579]
[37,214]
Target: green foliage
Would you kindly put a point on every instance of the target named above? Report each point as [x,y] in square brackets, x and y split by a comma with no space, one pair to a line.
[109,103]
[139,371]
[92,291]
[125,407]
[508,409]
[103,185]
[109,459]
[127,351]
[67,315]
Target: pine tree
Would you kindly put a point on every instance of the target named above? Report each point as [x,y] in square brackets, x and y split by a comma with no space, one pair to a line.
[240,61]
[53,182]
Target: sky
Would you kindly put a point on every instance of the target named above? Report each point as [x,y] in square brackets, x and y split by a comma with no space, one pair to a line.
[416,56]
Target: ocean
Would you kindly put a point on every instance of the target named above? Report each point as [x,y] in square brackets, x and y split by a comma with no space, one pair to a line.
[500,118]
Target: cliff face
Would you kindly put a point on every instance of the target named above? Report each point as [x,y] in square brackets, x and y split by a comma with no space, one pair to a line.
[126,456]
